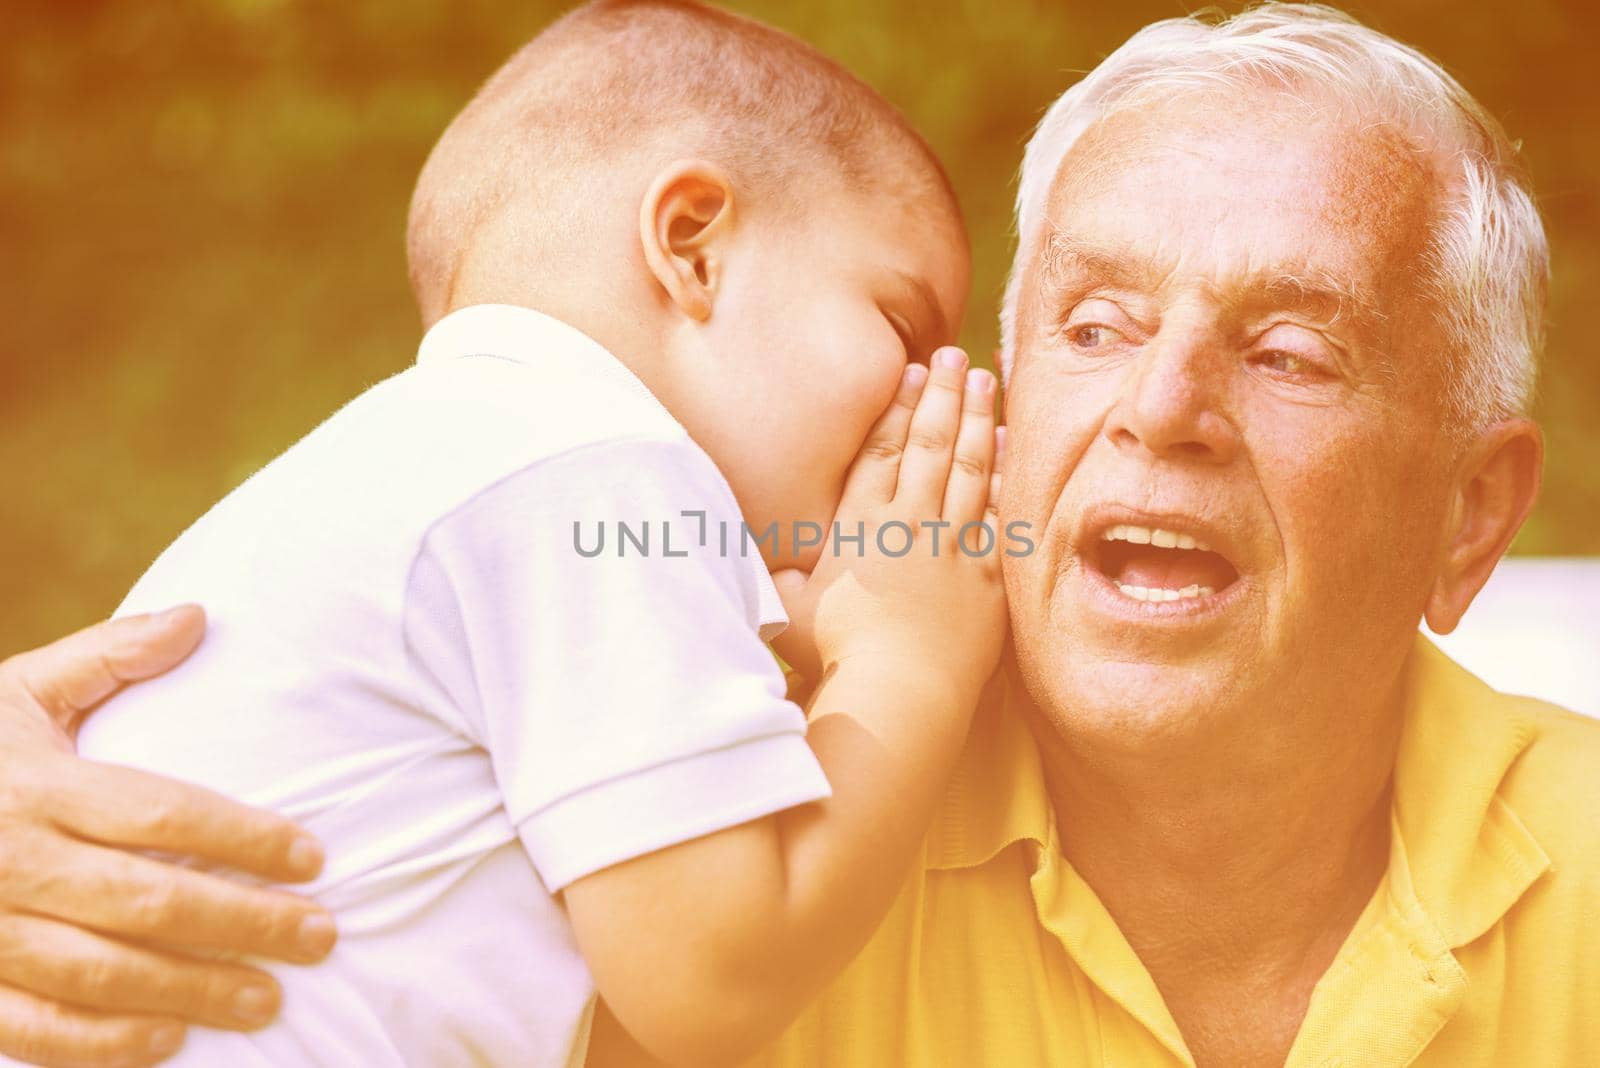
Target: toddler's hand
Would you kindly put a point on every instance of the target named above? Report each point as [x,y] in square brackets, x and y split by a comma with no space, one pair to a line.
[922,585]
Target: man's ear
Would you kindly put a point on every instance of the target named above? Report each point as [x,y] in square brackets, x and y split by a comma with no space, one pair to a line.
[1497,483]
[684,222]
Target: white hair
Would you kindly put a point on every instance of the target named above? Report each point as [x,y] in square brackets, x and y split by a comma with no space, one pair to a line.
[1488,261]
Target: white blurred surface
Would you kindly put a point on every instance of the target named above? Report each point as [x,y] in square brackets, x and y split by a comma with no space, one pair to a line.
[1535,629]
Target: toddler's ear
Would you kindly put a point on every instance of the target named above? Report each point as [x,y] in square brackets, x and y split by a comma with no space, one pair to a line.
[685,221]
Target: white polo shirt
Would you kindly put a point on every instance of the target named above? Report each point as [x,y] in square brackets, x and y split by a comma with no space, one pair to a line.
[409,654]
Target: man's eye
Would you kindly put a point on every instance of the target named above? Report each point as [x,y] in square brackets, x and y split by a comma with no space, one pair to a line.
[1090,336]
[1288,363]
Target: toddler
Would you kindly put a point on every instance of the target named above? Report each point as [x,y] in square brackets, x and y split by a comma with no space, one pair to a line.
[496,631]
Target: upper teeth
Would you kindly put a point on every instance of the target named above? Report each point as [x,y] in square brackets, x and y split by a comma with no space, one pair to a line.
[1161,539]
[1156,593]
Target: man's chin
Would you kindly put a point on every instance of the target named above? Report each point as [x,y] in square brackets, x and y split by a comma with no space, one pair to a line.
[1139,668]
[1131,703]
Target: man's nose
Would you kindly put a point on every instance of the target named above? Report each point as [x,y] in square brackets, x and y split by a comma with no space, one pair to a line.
[1170,404]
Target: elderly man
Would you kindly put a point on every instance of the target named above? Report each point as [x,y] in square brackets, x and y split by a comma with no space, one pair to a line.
[1270,340]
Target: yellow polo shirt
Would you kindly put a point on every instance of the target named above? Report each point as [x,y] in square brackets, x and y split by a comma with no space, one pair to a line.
[1481,946]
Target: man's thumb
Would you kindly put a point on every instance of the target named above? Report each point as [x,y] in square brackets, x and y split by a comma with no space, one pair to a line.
[73,675]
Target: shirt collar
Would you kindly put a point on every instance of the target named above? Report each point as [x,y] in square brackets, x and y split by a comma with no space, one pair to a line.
[996,799]
[1457,846]
[1465,854]
[526,336]
[1459,859]
[996,796]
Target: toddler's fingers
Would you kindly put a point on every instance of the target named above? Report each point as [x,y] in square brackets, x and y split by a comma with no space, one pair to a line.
[993,506]
[876,470]
[973,462]
[991,509]
[925,468]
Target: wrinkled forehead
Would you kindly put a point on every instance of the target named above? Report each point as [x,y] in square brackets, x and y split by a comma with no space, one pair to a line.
[1224,186]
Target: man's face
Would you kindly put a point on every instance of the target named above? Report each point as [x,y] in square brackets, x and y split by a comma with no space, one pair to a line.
[1225,349]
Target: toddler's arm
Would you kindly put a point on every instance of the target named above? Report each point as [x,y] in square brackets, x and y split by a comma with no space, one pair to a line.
[708,949]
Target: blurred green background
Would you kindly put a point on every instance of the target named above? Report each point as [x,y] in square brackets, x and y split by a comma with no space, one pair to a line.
[202,206]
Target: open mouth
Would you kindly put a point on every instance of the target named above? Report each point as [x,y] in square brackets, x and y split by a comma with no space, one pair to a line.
[1155,564]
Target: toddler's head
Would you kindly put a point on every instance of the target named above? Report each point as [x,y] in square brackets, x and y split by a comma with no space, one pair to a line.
[761,237]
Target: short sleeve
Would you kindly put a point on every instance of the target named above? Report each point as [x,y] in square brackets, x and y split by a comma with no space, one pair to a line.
[625,696]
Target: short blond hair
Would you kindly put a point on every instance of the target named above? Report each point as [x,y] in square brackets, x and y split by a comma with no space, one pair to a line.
[1488,259]
[670,78]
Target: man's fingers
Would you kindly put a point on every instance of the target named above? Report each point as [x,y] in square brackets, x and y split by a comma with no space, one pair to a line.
[136,810]
[57,1036]
[91,971]
[973,462]
[876,470]
[925,468]
[71,676]
[134,897]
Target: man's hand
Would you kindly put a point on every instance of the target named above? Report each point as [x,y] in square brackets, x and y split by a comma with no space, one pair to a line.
[91,968]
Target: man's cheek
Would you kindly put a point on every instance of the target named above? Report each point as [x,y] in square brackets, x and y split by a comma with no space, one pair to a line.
[1045,445]
[1346,527]
[1034,515]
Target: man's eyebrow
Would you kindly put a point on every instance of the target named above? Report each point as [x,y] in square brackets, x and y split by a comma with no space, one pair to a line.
[1066,255]
[1317,294]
